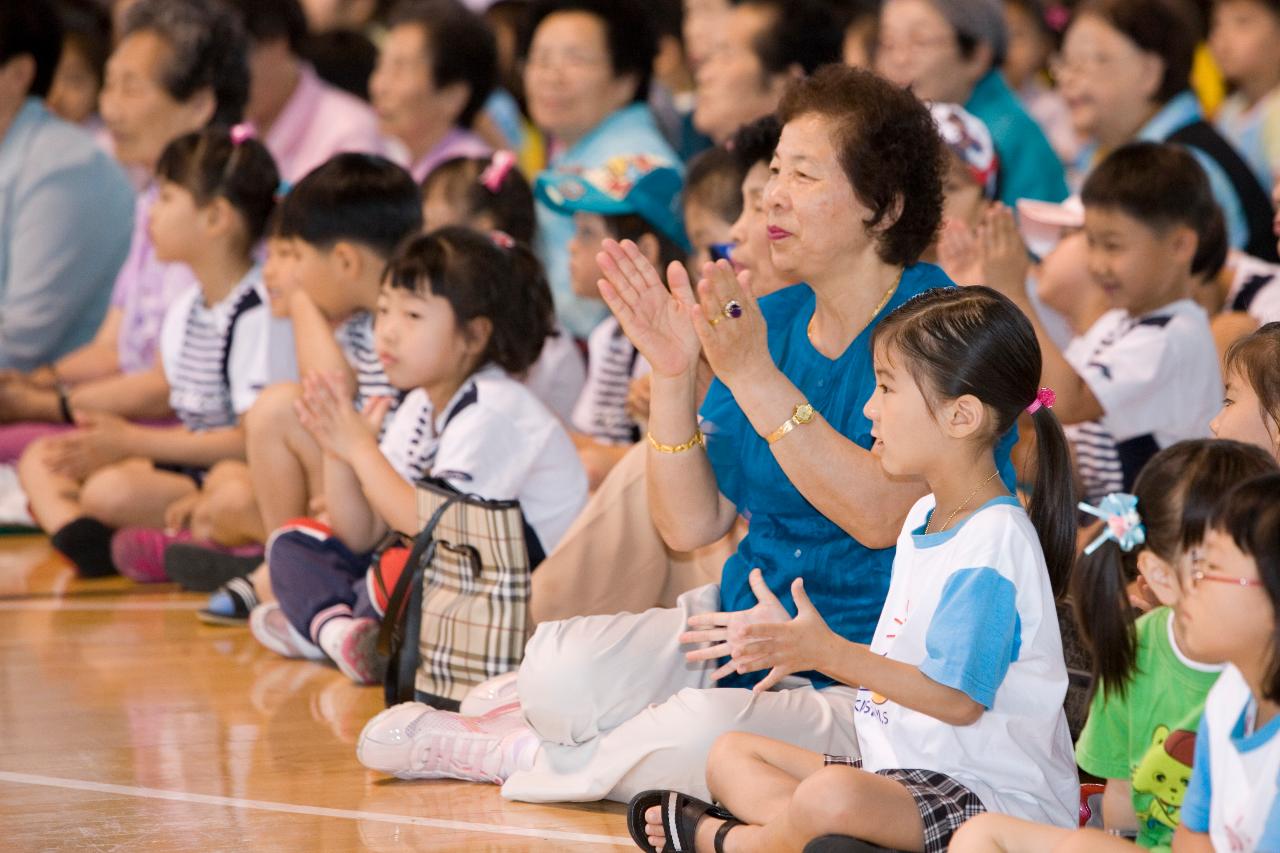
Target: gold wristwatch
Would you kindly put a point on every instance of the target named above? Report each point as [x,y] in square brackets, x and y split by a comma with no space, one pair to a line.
[803,414]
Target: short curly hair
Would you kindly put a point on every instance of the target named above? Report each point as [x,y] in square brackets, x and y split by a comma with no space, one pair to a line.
[208,50]
[889,148]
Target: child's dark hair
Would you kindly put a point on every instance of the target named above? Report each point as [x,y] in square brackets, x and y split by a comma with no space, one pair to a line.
[1176,493]
[211,164]
[755,142]
[1250,515]
[1256,358]
[714,179]
[1162,186]
[361,198]
[974,340]
[481,278]
[479,186]
[630,226]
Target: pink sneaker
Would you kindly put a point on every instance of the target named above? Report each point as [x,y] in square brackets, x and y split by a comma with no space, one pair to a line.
[353,645]
[416,741]
[138,552]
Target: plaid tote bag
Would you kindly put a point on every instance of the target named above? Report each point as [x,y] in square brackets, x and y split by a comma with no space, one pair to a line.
[459,611]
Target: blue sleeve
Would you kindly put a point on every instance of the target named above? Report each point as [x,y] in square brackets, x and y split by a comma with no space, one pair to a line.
[974,634]
[1195,803]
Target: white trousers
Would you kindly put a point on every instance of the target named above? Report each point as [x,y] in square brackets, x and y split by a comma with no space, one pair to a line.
[620,710]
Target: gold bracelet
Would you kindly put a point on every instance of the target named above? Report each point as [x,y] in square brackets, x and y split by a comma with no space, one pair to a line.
[698,439]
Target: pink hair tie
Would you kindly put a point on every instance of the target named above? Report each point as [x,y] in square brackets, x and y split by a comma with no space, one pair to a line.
[502,239]
[496,172]
[241,132]
[1045,398]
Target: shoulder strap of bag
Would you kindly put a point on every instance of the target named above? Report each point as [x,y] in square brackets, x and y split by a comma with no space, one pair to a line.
[396,625]
[1258,212]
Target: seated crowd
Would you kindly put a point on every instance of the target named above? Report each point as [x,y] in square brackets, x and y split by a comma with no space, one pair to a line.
[848,367]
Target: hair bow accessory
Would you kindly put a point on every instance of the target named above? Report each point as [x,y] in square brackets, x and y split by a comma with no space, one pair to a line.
[1122,523]
[1045,398]
[241,132]
[500,165]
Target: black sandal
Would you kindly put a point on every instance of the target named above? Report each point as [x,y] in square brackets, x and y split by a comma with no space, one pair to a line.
[681,815]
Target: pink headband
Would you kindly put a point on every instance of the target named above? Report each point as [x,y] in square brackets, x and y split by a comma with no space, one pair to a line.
[499,167]
[1045,398]
[241,132]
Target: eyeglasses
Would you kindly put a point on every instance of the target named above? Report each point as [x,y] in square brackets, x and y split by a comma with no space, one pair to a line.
[1198,575]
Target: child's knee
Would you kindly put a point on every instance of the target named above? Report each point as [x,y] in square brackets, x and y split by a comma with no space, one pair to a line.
[32,464]
[230,473]
[111,491]
[273,410]
[223,504]
[826,803]
[977,833]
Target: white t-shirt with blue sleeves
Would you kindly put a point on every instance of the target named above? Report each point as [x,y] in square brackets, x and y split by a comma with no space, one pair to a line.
[1233,791]
[973,608]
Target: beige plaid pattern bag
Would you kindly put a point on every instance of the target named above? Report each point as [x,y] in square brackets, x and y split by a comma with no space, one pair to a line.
[468,583]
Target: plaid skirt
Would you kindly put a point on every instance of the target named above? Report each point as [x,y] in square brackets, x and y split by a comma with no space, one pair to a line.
[943,802]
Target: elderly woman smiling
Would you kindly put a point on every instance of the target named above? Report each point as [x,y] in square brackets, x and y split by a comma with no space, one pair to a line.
[613,705]
[587,79]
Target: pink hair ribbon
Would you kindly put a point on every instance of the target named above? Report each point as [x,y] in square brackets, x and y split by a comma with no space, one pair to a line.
[496,172]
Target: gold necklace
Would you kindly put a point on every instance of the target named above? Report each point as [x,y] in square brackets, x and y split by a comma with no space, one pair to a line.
[884,300]
[956,511]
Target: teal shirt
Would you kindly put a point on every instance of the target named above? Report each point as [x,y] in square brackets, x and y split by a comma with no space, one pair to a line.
[630,130]
[1029,168]
[788,537]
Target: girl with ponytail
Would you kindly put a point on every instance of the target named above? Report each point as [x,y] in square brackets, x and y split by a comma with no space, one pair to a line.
[960,692]
[1148,691]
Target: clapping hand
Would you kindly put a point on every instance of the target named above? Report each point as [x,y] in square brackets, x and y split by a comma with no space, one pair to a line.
[325,409]
[726,632]
[797,645]
[730,326]
[658,322]
[1005,262]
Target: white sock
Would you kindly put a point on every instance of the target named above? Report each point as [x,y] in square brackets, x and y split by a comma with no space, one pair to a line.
[332,633]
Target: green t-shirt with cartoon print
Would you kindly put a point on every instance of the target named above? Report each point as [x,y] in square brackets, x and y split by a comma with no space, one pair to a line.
[1148,735]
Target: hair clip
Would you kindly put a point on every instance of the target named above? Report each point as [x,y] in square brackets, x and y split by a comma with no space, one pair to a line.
[283,189]
[500,165]
[1057,18]
[502,239]
[241,132]
[1123,525]
[1045,398]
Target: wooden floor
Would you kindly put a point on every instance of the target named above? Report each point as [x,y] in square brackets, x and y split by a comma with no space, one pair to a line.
[125,724]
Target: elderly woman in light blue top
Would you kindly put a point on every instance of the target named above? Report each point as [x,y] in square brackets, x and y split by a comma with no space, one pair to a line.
[1125,72]
[587,81]
[65,206]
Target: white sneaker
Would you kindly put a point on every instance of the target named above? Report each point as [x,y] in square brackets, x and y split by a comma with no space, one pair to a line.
[416,741]
[273,630]
[487,695]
